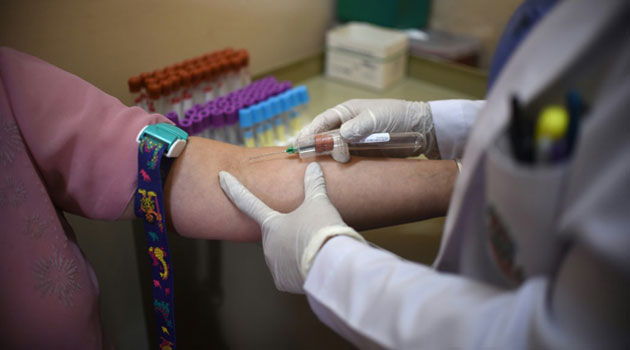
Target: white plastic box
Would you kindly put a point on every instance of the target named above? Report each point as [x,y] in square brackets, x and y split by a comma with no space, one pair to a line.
[366,54]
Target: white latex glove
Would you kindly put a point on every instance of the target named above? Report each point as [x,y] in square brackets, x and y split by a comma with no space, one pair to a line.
[291,241]
[359,118]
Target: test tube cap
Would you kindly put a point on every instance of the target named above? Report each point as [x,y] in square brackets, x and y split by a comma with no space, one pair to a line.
[175,81]
[135,84]
[172,116]
[282,102]
[221,102]
[166,86]
[218,118]
[205,116]
[231,115]
[189,113]
[154,91]
[186,124]
[257,113]
[292,99]
[303,96]
[285,85]
[245,117]
[197,124]
[275,105]
[196,76]
[206,72]
[144,76]
[185,77]
[150,81]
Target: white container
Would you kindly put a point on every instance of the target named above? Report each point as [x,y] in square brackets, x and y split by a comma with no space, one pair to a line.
[366,54]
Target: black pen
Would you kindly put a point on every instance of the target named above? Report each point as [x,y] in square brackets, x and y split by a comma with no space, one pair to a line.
[521,134]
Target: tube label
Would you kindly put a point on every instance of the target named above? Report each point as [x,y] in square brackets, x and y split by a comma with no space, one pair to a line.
[376,138]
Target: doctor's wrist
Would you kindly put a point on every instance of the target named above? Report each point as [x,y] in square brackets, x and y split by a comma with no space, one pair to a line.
[320,238]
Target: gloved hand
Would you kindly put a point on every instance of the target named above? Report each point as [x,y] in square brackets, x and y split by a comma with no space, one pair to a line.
[361,117]
[291,241]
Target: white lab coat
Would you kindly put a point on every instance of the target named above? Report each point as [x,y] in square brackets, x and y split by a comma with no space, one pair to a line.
[567,282]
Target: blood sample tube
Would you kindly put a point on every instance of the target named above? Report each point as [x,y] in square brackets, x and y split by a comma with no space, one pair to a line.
[154,97]
[187,97]
[135,88]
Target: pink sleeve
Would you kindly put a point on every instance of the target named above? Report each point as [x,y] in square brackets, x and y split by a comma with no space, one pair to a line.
[82,140]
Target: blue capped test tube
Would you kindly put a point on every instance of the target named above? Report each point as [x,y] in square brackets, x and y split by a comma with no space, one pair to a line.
[279,129]
[246,122]
[259,127]
[268,122]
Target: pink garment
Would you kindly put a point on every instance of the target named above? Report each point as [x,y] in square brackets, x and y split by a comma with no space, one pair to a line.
[64,146]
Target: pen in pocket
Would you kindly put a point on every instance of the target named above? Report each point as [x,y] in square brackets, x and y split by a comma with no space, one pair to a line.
[551,131]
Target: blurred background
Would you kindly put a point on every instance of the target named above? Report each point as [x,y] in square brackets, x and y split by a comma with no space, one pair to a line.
[232,302]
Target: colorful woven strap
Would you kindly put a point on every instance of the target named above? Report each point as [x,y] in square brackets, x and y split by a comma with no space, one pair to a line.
[149,205]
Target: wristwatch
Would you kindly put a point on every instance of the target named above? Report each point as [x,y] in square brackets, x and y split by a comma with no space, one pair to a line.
[155,141]
[173,136]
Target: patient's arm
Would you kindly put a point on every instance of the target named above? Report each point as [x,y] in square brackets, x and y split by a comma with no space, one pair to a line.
[368,192]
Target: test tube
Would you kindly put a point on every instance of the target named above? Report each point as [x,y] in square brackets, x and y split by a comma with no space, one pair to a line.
[402,144]
[292,101]
[214,79]
[176,97]
[197,89]
[268,123]
[285,108]
[208,130]
[172,116]
[302,101]
[166,87]
[244,72]
[189,113]
[279,130]
[154,97]
[187,98]
[186,124]
[135,88]
[247,130]
[197,123]
[222,79]
[218,122]
[259,127]
[207,83]
[231,125]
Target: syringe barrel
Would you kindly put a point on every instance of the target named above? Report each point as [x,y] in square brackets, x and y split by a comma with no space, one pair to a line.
[404,144]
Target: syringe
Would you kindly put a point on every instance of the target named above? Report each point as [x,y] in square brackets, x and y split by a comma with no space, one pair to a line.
[403,144]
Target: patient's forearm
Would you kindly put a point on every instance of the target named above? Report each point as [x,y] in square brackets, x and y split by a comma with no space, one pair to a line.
[367,192]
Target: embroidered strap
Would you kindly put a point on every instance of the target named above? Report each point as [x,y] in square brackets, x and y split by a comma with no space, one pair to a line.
[149,205]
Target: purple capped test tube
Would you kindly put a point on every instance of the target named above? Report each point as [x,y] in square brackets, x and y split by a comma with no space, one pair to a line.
[285,85]
[218,122]
[172,116]
[189,113]
[206,123]
[231,125]
[197,127]
[186,125]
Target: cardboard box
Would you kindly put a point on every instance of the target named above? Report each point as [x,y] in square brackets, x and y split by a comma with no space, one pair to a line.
[366,55]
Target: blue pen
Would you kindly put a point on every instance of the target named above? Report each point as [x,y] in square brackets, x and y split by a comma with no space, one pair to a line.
[576,110]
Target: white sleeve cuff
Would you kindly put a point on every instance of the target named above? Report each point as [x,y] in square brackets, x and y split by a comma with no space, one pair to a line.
[453,120]
[314,245]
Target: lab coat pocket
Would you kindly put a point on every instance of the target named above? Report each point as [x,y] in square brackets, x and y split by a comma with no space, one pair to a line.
[521,213]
